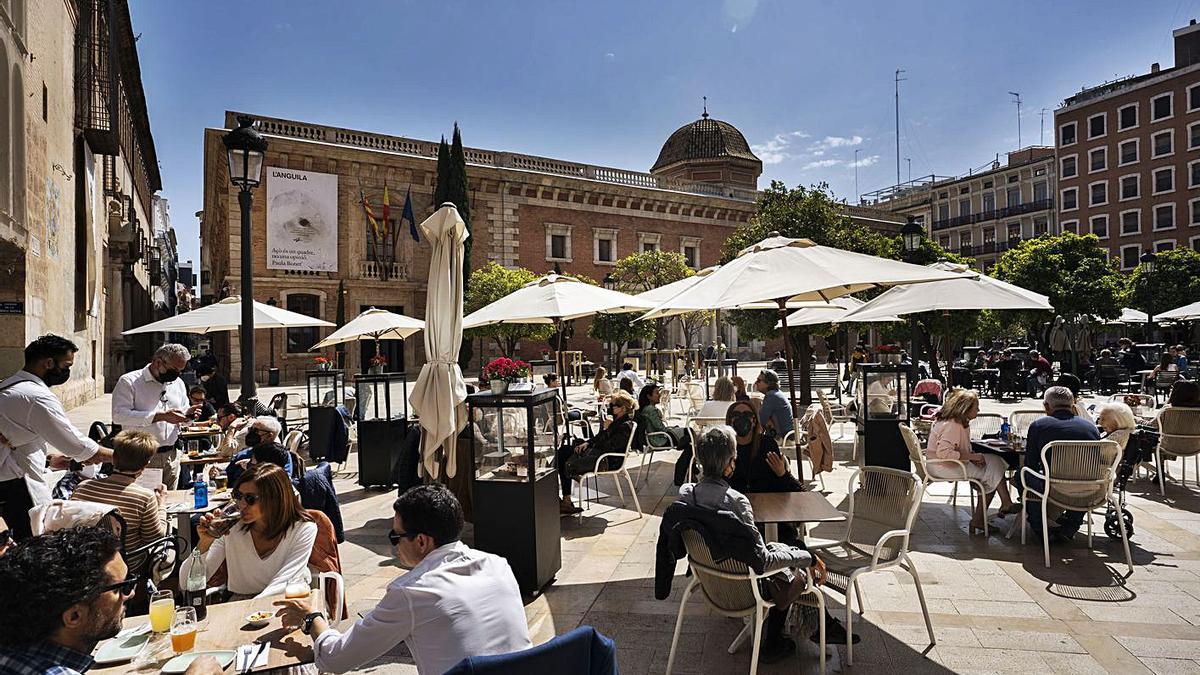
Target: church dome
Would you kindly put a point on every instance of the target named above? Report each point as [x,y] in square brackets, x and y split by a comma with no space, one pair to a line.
[704,139]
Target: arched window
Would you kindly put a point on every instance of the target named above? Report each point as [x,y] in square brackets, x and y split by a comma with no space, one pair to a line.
[300,340]
[18,147]
[5,134]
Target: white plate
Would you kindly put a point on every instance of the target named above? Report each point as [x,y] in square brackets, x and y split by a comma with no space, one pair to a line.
[180,663]
[125,646]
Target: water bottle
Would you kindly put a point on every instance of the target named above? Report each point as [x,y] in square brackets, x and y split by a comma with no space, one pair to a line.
[1004,429]
[200,488]
[195,588]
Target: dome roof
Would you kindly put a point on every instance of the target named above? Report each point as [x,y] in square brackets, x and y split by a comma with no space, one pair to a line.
[706,138]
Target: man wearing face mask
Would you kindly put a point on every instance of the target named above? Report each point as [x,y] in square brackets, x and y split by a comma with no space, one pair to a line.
[154,399]
[263,432]
[454,601]
[31,417]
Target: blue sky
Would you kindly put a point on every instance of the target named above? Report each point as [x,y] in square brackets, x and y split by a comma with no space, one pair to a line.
[606,82]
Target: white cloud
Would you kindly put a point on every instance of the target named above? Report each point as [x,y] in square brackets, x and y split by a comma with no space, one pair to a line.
[865,161]
[838,142]
[778,148]
[820,164]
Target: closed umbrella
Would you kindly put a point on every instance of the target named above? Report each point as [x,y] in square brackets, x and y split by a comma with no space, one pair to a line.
[440,391]
[373,324]
[226,315]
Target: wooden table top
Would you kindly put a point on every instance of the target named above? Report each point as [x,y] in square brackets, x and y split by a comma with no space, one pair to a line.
[793,507]
[186,498]
[186,460]
[227,629]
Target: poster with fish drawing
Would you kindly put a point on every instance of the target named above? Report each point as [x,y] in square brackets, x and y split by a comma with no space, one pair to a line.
[302,225]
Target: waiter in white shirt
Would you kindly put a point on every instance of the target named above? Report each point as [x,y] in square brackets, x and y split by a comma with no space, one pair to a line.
[31,417]
[155,400]
[454,602]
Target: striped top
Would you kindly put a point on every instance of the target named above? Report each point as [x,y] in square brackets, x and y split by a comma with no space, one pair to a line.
[145,518]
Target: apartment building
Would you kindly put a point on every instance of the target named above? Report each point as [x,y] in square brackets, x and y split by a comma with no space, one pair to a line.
[1129,157]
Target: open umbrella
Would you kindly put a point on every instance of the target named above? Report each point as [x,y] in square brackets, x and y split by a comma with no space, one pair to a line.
[1185,313]
[554,299]
[834,311]
[440,391]
[226,315]
[373,324]
[782,270]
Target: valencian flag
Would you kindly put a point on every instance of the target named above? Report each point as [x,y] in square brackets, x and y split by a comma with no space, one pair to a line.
[370,213]
[387,212]
[408,215]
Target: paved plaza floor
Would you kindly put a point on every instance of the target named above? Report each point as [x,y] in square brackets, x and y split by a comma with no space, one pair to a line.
[995,607]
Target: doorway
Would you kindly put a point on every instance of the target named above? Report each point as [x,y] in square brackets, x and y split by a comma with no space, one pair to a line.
[392,350]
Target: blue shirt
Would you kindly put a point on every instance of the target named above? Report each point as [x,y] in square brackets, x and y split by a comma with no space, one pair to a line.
[43,658]
[1062,425]
[775,407]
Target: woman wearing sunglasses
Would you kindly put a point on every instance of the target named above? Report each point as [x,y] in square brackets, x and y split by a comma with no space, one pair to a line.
[269,545]
[574,461]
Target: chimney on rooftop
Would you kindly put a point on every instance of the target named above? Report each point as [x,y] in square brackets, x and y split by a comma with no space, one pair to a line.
[1187,44]
[1154,67]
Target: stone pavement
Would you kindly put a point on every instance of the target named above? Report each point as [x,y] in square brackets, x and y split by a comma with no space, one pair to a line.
[995,608]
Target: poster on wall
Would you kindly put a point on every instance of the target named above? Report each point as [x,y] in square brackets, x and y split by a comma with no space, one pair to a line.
[301,220]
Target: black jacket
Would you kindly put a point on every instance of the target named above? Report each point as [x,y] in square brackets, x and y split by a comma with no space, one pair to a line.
[726,536]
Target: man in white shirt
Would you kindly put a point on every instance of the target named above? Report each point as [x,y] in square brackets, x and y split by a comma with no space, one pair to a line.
[154,399]
[628,371]
[454,602]
[31,417]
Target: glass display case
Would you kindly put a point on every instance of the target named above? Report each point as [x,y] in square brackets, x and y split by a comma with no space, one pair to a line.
[515,486]
[326,391]
[381,418]
[380,397]
[883,407]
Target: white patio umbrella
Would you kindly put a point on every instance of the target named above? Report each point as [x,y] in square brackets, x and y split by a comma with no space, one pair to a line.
[1129,316]
[782,270]
[226,315]
[656,296]
[439,393]
[373,324]
[834,311]
[554,299]
[966,292]
[1185,313]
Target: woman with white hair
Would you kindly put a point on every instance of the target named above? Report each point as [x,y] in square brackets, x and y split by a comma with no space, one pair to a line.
[1117,422]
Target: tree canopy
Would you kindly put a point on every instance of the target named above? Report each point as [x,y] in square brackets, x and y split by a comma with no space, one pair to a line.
[1175,282]
[1071,269]
[487,285]
[644,271]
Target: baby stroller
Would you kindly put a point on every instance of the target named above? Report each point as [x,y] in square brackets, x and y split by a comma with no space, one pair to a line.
[1139,448]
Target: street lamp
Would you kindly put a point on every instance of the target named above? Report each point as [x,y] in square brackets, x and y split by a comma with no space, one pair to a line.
[609,282]
[272,372]
[1149,262]
[911,235]
[246,148]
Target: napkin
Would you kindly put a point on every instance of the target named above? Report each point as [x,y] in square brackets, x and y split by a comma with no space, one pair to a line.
[246,651]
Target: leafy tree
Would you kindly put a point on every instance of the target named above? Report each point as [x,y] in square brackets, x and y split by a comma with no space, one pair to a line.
[619,330]
[1174,282]
[647,270]
[487,285]
[1073,271]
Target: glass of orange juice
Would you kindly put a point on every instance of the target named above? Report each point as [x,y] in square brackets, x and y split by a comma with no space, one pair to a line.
[162,610]
[183,630]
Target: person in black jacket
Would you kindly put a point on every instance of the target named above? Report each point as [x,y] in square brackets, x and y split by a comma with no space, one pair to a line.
[575,460]
[216,388]
[761,467]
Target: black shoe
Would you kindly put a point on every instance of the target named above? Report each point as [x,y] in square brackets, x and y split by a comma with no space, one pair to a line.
[777,649]
[835,633]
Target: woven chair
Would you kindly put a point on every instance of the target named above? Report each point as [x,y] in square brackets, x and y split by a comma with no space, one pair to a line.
[1178,436]
[985,424]
[883,503]
[730,588]
[1019,421]
[1079,477]
[955,468]
[621,471]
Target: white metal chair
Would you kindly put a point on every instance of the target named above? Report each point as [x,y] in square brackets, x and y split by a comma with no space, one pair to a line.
[835,413]
[335,578]
[1019,421]
[794,441]
[985,424]
[1079,477]
[955,470]
[696,427]
[883,503]
[1178,436]
[730,588]
[617,473]
[659,441]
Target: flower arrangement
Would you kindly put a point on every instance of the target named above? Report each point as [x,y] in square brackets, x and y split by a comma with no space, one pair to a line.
[378,360]
[889,349]
[505,369]
[321,360]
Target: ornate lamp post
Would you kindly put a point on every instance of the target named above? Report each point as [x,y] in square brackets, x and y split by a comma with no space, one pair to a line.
[246,148]
[1149,262]
[272,371]
[912,234]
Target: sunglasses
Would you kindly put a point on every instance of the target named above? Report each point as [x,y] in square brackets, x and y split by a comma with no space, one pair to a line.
[250,498]
[125,588]
[395,537]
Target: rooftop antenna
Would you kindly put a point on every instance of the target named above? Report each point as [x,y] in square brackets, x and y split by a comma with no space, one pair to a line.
[705,114]
[1042,129]
[1017,100]
[898,81]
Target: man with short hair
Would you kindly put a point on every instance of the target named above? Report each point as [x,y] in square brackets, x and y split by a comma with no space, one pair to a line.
[32,417]
[1129,357]
[454,601]
[1040,372]
[154,399]
[628,371]
[143,510]
[216,388]
[1060,424]
[63,593]
[1181,360]
[775,414]
[262,433]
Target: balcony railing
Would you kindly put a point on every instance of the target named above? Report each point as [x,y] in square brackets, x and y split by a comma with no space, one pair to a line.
[384,271]
[994,214]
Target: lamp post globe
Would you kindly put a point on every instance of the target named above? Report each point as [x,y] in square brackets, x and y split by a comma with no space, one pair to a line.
[246,149]
[1148,261]
[911,235]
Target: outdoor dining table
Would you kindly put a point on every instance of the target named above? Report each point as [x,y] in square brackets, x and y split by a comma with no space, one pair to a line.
[181,504]
[772,508]
[227,630]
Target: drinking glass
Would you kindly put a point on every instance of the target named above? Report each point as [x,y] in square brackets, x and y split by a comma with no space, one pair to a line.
[224,520]
[297,587]
[183,631]
[162,608]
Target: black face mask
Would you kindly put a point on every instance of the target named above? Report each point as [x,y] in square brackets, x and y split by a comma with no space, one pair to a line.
[743,424]
[56,376]
[253,438]
[167,375]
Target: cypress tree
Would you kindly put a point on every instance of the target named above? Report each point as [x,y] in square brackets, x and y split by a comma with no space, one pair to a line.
[452,187]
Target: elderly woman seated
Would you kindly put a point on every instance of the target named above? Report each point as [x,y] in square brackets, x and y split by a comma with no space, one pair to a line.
[1116,422]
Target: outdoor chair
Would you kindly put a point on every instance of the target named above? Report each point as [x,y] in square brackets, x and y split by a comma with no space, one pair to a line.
[1010,380]
[834,413]
[1142,404]
[582,650]
[883,503]
[955,467]
[798,444]
[1019,421]
[730,588]
[1078,476]
[1109,378]
[659,441]
[622,471]
[1178,436]
[1163,382]
[986,424]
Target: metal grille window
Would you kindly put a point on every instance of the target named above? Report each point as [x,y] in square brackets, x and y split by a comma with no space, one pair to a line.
[1129,151]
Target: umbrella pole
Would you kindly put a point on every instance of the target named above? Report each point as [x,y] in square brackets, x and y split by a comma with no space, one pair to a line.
[787,347]
[562,375]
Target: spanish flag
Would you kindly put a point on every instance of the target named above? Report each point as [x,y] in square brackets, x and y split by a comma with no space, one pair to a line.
[370,214]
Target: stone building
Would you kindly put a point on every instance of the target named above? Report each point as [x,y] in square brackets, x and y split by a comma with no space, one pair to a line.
[77,171]
[533,212]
